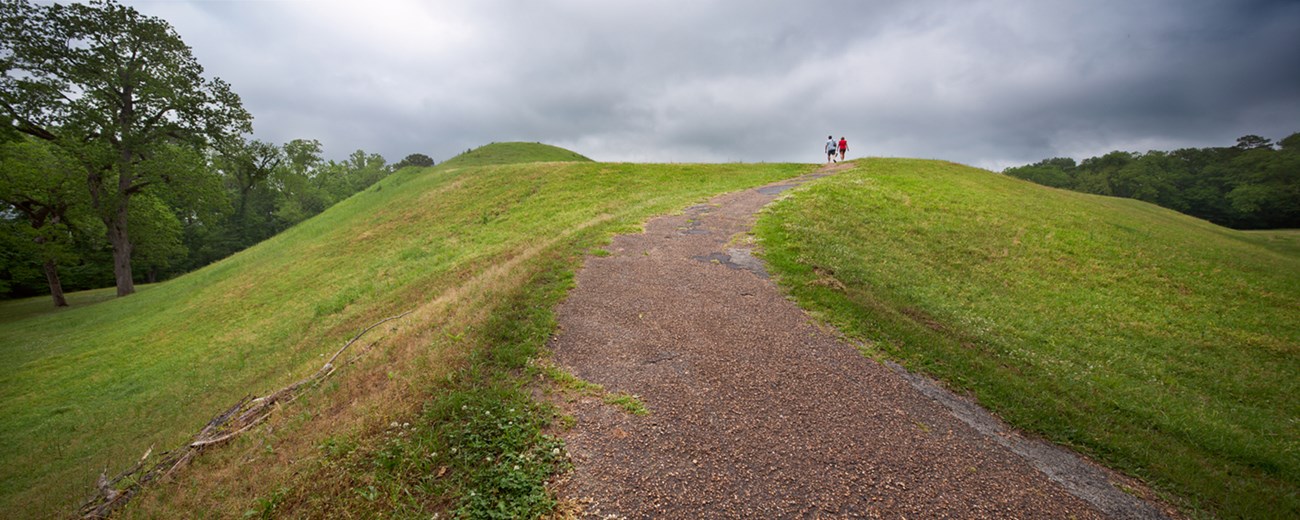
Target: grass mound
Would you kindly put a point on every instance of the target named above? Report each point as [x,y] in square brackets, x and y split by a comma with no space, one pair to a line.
[514,153]
[1163,345]
[480,251]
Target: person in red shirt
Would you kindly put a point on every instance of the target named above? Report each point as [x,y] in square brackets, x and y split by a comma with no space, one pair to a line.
[844,147]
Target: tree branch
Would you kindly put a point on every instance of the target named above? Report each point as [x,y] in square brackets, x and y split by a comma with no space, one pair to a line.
[26,125]
[236,420]
[153,120]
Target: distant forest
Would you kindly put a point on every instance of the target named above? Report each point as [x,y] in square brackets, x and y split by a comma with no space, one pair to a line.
[1252,185]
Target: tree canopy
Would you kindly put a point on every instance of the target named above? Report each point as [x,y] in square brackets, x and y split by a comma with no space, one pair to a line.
[415,159]
[112,88]
[1254,184]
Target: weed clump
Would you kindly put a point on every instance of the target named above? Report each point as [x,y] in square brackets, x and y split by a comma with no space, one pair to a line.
[483,446]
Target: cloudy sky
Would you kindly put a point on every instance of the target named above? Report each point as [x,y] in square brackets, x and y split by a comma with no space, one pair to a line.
[990,83]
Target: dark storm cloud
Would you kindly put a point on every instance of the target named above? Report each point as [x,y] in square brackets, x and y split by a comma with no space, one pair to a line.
[990,83]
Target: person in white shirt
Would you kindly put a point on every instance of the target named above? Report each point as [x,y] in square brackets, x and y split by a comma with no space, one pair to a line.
[832,148]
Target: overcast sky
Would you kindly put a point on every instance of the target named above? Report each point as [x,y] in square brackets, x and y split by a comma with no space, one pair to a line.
[988,83]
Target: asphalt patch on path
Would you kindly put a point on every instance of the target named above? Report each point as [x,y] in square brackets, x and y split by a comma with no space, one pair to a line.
[736,258]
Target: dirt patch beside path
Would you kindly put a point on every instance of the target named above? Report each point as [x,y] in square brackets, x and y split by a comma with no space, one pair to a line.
[758,412]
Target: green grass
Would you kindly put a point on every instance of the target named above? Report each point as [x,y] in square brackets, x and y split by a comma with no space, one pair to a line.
[94,386]
[1164,346]
[513,153]
[575,385]
[1285,241]
[16,310]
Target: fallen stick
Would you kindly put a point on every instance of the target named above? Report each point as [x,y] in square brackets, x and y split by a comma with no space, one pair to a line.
[246,414]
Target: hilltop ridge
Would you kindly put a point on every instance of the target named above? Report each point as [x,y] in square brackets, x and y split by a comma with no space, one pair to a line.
[514,153]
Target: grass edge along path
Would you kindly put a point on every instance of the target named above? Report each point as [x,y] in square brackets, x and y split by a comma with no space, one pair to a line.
[478,444]
[264,315]
[1161,345]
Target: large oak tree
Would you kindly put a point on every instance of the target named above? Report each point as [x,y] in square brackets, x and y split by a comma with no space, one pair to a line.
[111,87]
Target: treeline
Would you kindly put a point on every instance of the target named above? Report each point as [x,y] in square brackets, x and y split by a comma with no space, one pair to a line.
[216,203]
[1253,185]
[120,162]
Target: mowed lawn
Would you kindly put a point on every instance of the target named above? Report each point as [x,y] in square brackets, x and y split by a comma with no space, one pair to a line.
[92,387]
[1162,345]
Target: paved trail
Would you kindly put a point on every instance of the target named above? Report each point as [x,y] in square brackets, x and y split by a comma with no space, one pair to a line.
[759,413]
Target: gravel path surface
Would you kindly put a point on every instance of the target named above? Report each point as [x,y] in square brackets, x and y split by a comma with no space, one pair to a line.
[757,412]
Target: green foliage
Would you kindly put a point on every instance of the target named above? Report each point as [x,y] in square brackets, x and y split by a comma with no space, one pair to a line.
[41,201]
[481,447]
[270,189]
[340,180]
[156,236]
[1163,345]
[1252,185]
[104,71]
[248,171]
[417,160]
[1048,172]
[19,272]
[298,197]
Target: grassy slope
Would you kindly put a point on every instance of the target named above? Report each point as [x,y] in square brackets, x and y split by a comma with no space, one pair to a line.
[468,244]
[1164,345]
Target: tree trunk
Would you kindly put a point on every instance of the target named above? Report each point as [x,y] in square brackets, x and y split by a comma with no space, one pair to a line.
[52,276]
[121,251]
[116,225]
[51,269]
[56,287]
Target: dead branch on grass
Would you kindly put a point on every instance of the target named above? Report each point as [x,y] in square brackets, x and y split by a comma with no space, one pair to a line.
[243,416]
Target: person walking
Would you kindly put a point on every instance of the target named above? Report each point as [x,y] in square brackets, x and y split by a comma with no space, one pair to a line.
[844,147]
[830,149]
